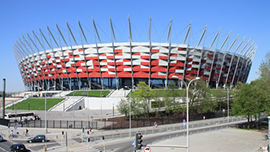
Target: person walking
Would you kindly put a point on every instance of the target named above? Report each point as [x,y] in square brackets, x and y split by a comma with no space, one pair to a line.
[26,132]
[155,124]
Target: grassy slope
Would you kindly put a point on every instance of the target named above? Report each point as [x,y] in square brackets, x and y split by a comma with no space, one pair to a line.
[36,104]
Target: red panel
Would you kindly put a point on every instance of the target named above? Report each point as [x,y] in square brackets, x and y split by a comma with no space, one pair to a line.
[108,75]
[172,69]
[155,50]
[173,55]
[154,62]
[118,50]
[144,63]
[119,63]
[207,67]
[110,63]
[55,76]
[145,57]
[72,75]
[189,65]
[49,56]
[136,68]
[94,74]
[210,55]
[91,58]
[82,75]
[124,74]
[155,75]
[119,54]
[163,57]
[126,60]
[111,69]
[189,59]
[194,71]
[80,50]
[71,69]
[141,75]
[103,54]
[66,60]
[181,49]
[70,53]
[110,57]
[96,69]
[159,69]
[138,53]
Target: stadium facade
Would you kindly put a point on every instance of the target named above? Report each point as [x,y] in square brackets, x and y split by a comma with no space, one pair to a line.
[118,65]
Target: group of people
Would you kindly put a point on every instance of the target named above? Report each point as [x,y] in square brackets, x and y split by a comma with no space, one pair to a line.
[12,134]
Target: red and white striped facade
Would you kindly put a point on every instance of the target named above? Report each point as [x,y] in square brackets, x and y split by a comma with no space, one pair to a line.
[138,60]
[117,65]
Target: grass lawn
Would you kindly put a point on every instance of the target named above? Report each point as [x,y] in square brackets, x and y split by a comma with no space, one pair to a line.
[36,104]
[96,93]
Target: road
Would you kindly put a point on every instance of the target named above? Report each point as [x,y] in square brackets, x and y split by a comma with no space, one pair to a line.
[5,145]
[126,146]
[118,140]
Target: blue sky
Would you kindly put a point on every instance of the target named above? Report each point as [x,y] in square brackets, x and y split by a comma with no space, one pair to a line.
[246,17]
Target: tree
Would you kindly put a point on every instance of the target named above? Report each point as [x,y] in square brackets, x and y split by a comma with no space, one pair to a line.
[171,93]
[264,80]
[200,98]
[123,107]
[244,104]
[144,95]
[251,100]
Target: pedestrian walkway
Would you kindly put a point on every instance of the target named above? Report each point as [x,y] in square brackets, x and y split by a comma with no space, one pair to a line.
[224,140]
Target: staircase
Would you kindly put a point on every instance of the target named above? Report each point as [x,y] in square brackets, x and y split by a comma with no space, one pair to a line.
[119,93]
[62,106]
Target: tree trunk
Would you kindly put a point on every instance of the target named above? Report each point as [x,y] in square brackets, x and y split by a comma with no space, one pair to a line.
[248,121]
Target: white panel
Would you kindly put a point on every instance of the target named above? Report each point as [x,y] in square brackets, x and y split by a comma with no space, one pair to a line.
[103,63]
[179,71]
[104,69]
[126,63]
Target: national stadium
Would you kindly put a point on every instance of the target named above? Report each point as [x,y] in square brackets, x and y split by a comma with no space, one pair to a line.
[57,61]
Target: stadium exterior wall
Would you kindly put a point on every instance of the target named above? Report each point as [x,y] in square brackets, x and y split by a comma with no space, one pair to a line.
[120,65]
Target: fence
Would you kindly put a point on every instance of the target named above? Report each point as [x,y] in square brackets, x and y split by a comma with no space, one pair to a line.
[120,124]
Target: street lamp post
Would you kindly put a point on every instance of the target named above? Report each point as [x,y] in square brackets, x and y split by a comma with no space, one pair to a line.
[92,122]
[228,104]
[129,113]
[187,87]
[46,119]
[268,130]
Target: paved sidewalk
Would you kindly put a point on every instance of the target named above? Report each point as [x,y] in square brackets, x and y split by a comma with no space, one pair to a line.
[224,140]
